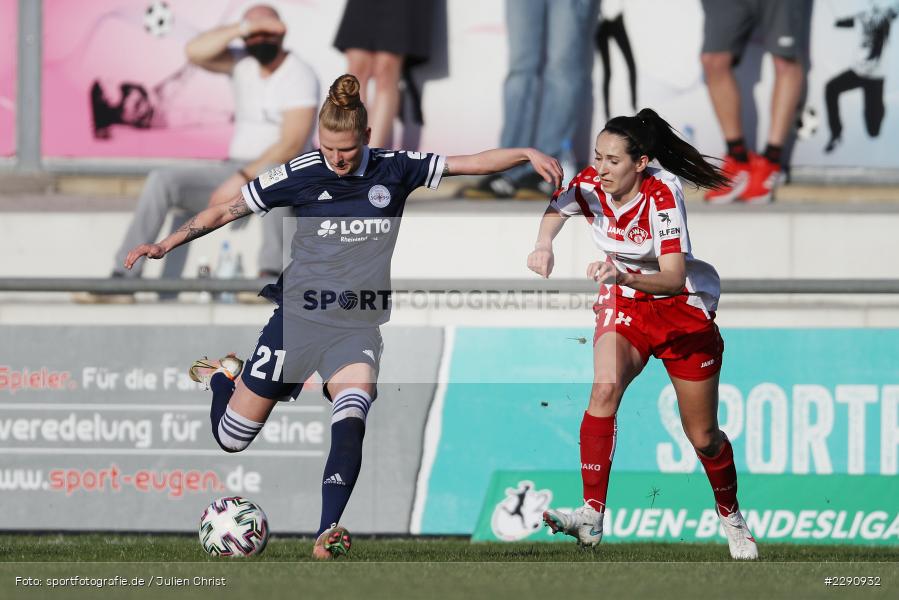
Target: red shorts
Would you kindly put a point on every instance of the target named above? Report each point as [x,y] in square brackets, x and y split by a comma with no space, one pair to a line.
[682,336]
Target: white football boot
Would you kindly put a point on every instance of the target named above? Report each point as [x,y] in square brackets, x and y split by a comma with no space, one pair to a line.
[202,370]
[739,539]
[584,523]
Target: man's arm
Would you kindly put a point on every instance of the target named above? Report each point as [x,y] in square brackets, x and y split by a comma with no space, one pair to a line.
[296,126]
[205,222]
[209,50]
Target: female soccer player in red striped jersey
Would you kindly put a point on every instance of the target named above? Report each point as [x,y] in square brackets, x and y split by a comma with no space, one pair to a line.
[655,299]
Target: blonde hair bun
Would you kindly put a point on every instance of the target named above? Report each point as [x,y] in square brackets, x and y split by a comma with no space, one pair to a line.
[344,92]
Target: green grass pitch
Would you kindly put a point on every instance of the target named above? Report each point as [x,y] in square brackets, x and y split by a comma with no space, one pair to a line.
[176,567]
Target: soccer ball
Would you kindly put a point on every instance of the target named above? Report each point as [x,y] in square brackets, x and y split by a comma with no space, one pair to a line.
[158,19]
[807,123]
[234,527]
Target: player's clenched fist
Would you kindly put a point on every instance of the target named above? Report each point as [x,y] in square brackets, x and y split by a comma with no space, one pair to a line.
[541,261]
[604,272]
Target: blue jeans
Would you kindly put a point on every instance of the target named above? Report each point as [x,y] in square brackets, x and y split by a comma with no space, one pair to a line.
[549,82]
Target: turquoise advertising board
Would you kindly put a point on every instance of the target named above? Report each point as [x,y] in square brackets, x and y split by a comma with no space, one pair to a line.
[793,402]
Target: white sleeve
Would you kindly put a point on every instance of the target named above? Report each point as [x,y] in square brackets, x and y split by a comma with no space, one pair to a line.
[251,197]
[669,222]
[299,88]
[566,202]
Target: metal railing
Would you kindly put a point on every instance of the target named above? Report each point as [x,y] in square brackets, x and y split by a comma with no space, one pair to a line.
[437,286]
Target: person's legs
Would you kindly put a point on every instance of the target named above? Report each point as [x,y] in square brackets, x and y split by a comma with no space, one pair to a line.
[620,35]
[237,414]
[349,367]
[568,73]
[271,251]
[352,391]
[603,33]
[874,107]
[176,187]
[526,25]
[765,169]
[698,405]
[386,71]
[726,30]
[843,82]
[788,81]
[359,63]
[566,88]
[615,364]
[723,91]
[783,25]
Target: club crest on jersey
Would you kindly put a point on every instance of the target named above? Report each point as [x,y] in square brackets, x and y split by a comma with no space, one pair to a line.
[379,196]
[637,235]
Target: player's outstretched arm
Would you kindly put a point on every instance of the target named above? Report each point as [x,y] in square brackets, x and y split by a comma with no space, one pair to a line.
[542,260]
[209,220]
[494,161]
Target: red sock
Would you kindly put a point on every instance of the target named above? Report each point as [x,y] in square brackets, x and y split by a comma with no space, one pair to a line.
[597,449]
[722,475]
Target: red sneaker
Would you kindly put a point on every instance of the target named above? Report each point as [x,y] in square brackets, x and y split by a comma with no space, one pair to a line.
[764,176]
[738,172]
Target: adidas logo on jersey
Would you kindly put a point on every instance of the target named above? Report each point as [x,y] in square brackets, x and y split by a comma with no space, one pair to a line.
[325,196]
[369,353]
[334,479]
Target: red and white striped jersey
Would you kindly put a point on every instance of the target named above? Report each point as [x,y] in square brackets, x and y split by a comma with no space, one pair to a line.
[634,235]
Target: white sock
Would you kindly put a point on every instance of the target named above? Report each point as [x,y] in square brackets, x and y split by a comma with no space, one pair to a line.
[236,431]
[351,402]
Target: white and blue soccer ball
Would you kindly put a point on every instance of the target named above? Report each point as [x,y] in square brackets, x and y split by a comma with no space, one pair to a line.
[158,19]
[807,124]
[233,527]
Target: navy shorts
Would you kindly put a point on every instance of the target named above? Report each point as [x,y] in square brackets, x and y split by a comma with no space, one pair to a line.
[277,370]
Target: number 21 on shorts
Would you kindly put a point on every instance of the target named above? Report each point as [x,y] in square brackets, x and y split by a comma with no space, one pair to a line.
[265,354]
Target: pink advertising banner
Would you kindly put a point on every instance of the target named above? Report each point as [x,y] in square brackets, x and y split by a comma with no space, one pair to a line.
[8,72]
[116,82]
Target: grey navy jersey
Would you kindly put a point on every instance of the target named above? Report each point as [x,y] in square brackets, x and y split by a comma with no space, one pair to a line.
[347,228]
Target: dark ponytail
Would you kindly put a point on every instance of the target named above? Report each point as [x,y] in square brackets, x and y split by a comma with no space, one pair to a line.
[648,133]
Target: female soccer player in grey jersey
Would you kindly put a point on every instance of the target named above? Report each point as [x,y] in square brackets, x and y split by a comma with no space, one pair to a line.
[332,297]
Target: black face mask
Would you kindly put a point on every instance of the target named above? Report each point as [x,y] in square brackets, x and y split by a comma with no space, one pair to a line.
[264,52]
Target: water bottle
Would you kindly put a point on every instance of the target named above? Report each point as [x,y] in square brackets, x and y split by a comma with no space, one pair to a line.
[568,162]
[204,271]
[227,269]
